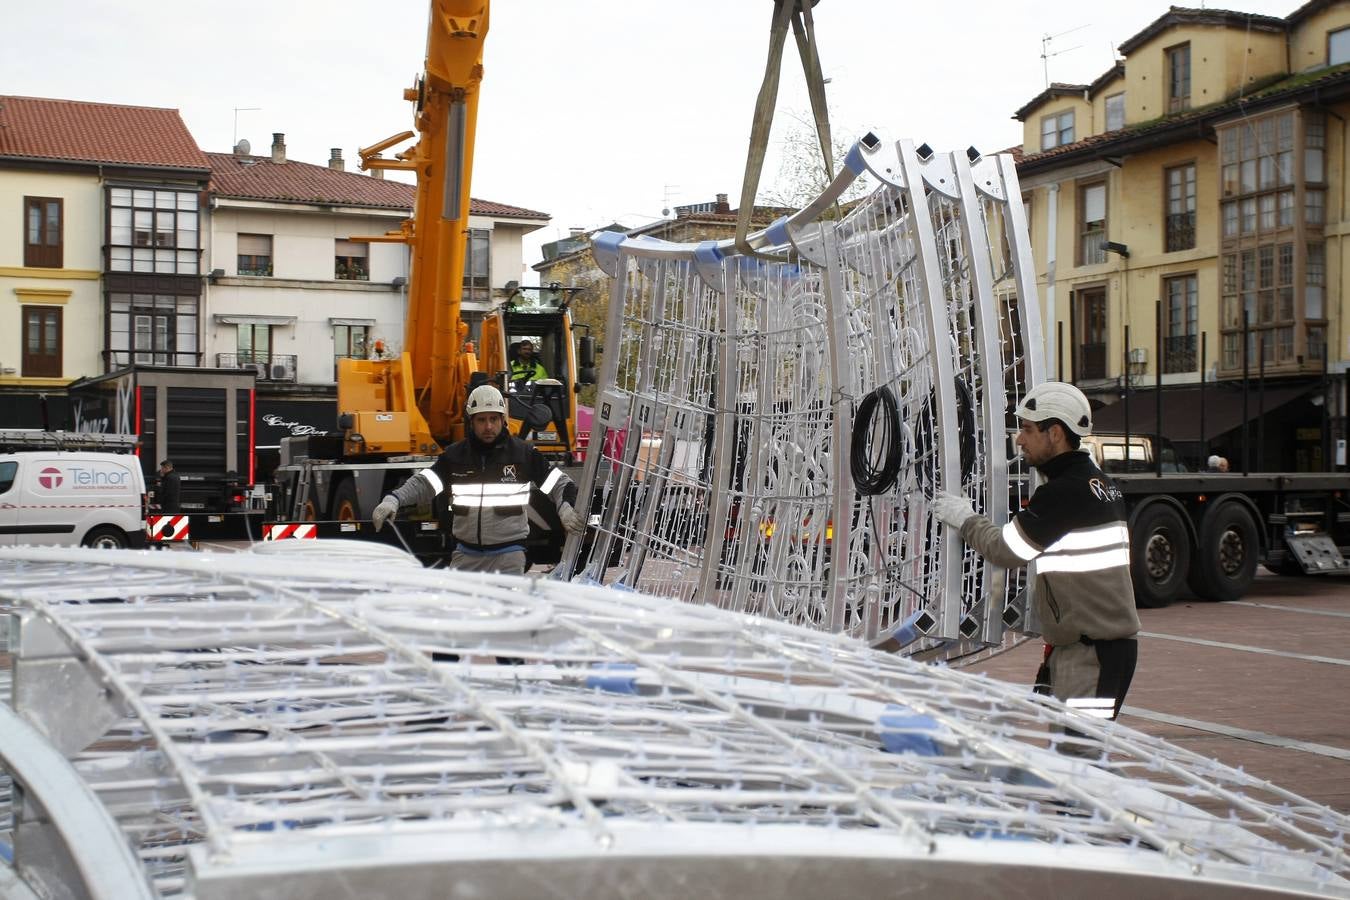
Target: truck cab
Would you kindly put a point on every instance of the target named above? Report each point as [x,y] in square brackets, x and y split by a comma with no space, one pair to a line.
[1114,453]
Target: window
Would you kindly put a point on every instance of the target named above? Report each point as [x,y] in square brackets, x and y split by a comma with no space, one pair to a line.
[477,266]
[153,231]
[160,329]
[1315,280]
[350,261]
[1181,323]
[349,342]
[1338,47]
[1091,224]
[255,254]
[41,342]
[1178,78]
[1181,208]
[1092,334]
[42,232]
[1057,130]
[1115,111]
[254,344]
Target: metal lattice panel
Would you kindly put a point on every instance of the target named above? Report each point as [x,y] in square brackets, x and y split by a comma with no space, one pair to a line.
[269,725]
[749,392]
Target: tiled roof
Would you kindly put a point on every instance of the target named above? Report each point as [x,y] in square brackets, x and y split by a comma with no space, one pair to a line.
[259,178]
[1197,121]
[1106,78]
[1180,15]
[74,131]
[1057,89]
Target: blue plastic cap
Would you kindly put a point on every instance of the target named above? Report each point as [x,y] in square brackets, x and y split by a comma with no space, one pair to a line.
[904,731]
[609,240]
[707,252]
[854,161]
[778,232]
[615,684]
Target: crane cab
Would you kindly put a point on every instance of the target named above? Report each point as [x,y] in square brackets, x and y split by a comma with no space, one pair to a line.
[541,398]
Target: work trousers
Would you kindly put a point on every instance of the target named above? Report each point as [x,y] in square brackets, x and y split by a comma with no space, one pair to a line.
[512,562]
[1092,669]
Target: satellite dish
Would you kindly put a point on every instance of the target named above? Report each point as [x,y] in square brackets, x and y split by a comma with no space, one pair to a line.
[243,148]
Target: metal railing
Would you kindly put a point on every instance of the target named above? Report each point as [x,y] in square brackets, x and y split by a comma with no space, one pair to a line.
[120,359]
[1180,231]
[1092,361]
[275,367]
[1179,354]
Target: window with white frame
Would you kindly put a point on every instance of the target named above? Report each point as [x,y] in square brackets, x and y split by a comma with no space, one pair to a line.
[1057,130]
[153,230]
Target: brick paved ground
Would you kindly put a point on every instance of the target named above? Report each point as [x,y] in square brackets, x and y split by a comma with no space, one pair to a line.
[1272,694]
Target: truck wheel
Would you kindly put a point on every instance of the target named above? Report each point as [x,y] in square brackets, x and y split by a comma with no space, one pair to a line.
[345,507]
[1229,547]
[106,537]
[1160,555]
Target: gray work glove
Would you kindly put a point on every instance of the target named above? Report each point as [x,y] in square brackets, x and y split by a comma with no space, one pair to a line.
[387,509]
[951,509]
[572,520]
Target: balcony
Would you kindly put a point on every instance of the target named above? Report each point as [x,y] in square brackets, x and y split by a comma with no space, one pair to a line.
[271,367]
[1091,362]
[1179,354]
[121,359]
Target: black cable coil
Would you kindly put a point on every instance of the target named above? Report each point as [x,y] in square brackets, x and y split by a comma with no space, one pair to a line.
[869,479]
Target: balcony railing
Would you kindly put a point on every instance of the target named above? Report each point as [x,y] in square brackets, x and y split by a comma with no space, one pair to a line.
[1092,361]
[274,367]
[1179,354]
[1180,231]
[120,359]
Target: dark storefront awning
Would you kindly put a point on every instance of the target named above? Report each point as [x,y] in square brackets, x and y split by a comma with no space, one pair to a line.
[276,418]
[1181,413]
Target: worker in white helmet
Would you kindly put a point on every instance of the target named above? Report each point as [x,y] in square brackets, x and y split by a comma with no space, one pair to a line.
[491,477]
[1073,532]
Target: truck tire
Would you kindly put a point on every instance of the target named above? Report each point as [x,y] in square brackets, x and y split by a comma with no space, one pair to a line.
[1160,556]
[345,507]
[1228,553]
[106,537]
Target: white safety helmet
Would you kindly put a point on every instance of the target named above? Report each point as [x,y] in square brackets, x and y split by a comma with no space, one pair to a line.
[485,399]
[1057,400]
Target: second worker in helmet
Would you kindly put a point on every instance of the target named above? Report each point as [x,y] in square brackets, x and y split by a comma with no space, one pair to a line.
[490,476]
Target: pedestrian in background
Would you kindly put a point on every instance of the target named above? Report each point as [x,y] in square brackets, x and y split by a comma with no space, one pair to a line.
[168,495]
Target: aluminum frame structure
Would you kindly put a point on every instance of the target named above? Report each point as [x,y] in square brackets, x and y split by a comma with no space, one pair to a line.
[773,428]
[273,724]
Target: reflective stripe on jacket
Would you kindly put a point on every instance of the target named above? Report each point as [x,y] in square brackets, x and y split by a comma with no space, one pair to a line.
[490,488]
[1074,536]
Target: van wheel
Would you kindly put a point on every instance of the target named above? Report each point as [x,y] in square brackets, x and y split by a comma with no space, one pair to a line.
[1160,556]
[345,507]
[106,538]
[1229,548]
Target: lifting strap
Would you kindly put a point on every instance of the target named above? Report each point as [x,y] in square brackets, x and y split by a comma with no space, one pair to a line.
[798,13]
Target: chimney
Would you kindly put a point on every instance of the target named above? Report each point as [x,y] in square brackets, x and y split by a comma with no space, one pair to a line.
[377,173]
[335,160]
[722,205]
[278,147]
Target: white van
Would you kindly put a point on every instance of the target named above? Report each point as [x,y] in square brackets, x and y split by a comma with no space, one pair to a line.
[71,498]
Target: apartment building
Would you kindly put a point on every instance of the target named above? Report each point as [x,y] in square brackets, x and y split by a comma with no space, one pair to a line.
[101,248]
[1188,219]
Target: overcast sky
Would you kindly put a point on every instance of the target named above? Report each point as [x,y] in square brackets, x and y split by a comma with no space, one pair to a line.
[592,110]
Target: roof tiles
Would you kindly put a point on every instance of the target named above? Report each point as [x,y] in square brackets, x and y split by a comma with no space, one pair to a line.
[259,178]
[111,134]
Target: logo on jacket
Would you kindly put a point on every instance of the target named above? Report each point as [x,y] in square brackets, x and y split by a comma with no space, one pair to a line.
[50,478]
[1103,491]
[508,473]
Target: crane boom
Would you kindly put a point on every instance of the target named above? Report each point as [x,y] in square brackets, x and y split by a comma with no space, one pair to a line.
[447,119]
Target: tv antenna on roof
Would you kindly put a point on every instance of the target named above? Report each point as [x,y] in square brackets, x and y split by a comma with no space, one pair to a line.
[1045,50]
